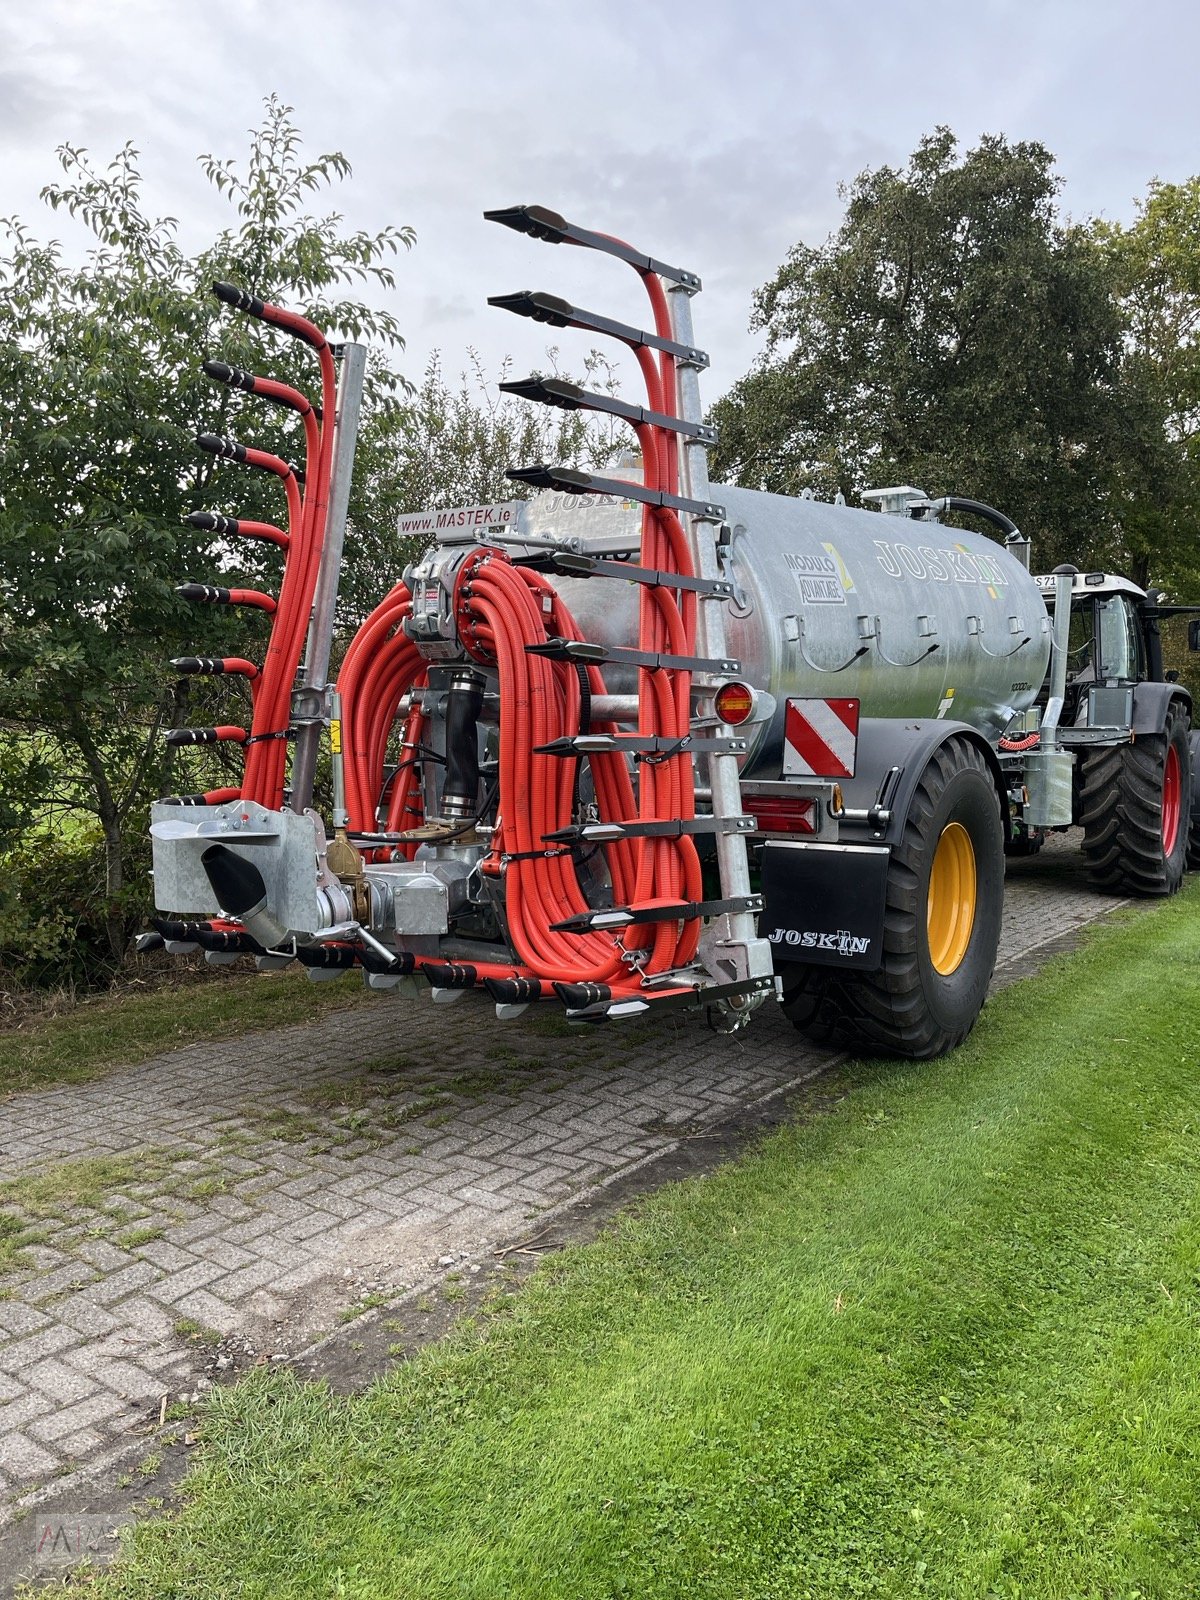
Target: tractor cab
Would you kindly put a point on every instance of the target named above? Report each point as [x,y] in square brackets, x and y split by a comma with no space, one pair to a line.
[1112,640]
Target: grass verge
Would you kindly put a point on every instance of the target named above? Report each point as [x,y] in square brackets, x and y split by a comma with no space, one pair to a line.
[125,1028]
[943,1340]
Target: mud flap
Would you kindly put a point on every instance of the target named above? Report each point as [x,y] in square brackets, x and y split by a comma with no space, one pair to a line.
[823,904]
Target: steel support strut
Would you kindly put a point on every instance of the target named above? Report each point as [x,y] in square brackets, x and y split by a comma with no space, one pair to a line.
[731,939]
[311,709]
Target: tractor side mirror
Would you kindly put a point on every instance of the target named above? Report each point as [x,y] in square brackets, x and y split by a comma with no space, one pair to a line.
[1194,634]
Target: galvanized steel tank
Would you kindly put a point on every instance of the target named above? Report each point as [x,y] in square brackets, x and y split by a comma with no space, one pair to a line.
[915,619]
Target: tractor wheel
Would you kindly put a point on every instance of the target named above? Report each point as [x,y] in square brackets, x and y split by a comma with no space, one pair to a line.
[945,898]
[1134,810]
[1193,854]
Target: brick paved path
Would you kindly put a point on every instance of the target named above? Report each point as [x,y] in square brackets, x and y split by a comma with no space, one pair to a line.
[280,1176]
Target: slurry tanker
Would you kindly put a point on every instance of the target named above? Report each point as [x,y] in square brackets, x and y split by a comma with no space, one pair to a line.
[641,742]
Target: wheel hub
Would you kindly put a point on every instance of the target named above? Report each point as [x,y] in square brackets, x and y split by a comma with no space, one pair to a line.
[1172,799]
[950,908]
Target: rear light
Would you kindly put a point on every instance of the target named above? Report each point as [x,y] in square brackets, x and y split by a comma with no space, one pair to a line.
[778,813]
[734,703]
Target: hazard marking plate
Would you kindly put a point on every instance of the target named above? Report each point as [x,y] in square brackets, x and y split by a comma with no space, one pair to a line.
[820,738]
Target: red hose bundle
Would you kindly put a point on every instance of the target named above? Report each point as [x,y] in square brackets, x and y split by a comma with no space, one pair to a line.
[504,609]
[381,666]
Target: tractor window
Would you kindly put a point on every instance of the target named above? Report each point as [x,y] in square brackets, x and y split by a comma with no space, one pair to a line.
[1081,655]
[1119,641]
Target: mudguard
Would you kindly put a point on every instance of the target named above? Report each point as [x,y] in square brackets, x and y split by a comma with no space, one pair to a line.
[887,743]
[1150,703]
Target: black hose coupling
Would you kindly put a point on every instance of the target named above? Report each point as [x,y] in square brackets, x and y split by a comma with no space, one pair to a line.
[450,974]
[239,299]
[577,995]
[513,991]
[227,734]
[194,665]
[210,594]
[235,377]
[226,449]
[326,956]
[212,522]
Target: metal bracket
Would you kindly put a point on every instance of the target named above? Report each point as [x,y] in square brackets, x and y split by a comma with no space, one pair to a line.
[570,481]
[562,314]
[612,832]
[584,566]
[539,222]
[628,916]
[654,660]
[586,744]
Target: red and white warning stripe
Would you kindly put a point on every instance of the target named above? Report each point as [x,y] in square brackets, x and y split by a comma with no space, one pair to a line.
[820,738]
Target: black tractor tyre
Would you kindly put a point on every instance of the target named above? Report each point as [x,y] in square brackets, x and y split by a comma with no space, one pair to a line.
[910,1008]
[1193,853]
[1122,812]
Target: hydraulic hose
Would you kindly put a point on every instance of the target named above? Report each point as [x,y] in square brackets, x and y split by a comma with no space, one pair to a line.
[976,508]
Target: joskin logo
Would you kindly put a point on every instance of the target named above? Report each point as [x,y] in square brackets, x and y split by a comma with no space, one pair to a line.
[842,942]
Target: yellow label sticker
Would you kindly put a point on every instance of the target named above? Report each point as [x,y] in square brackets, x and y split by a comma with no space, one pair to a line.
[843,571]
[335,737]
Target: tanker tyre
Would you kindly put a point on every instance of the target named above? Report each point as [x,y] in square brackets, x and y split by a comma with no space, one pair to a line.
[936,967]
[1134,811]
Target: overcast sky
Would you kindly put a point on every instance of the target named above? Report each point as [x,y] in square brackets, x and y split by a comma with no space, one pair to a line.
[712,134]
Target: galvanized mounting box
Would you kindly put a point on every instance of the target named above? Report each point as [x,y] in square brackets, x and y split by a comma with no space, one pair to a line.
[284,846]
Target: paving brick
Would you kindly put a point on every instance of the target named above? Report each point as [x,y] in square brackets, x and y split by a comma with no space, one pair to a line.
[17,1318]
[171,1289]
[101,1407]
[24,1353]
[125,1282]
[23,1457]
[19,1413]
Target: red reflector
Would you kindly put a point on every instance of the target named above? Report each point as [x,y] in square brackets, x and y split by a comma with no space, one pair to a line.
[776,813]
[734,702]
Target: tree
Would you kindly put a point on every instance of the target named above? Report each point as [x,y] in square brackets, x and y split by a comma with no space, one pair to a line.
[101,395]
[452,445]
[1156,262]
[956,334]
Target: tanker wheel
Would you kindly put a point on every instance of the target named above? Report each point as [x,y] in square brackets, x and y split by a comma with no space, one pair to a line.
[1134,810]
[945,898]
[1193,854]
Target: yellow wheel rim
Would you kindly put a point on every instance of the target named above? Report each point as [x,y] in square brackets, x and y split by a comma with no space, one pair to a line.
[951,904]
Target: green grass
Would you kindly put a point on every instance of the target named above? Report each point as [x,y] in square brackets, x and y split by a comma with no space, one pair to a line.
[125,1028]
[939,1338]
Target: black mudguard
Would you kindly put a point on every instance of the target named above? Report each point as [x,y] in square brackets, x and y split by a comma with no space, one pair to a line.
[887,743]
[1151,702]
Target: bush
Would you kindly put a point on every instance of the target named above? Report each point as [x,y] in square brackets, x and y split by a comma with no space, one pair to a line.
[53,915]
